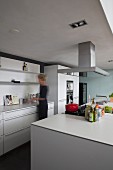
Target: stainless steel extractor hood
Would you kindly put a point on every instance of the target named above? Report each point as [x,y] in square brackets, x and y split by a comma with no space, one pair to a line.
[86,60]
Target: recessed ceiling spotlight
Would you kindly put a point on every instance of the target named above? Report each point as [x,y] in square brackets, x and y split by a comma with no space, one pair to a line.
[14,30]
[78,24]
[110,61]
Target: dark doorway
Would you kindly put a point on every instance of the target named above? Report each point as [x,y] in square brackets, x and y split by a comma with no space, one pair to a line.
[82,93]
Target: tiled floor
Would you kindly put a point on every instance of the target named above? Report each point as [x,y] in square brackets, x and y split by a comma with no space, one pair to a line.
[17,159]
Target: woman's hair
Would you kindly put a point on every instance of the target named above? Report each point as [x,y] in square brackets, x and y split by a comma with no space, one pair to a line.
[42,77]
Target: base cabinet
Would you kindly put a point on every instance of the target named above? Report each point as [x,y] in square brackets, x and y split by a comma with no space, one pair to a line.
[1,145]
[16,139]
[17,127]
[50,112]
[50,109]
[1,127]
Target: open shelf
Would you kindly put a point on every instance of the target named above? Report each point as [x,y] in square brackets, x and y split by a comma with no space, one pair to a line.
[21,83]
[18,71]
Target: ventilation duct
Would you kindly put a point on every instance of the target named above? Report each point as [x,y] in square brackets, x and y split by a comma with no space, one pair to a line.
[86,60]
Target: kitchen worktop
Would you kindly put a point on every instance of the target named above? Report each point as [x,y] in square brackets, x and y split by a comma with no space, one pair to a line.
[100,131]
[18,107]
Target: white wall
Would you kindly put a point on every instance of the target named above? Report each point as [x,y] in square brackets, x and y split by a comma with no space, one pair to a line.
[19,90]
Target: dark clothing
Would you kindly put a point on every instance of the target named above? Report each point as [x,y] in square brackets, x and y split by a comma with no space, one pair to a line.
[43,105]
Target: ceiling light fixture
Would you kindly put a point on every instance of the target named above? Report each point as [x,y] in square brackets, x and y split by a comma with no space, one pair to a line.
[14,30]
[78,24]
[110,61]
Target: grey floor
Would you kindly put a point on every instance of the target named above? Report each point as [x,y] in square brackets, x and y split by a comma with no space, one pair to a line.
[17,159]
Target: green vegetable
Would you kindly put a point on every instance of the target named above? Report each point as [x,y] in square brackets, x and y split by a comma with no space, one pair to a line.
[111,95]
[108,109]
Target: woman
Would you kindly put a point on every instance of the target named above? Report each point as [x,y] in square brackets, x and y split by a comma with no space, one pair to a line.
[43,104]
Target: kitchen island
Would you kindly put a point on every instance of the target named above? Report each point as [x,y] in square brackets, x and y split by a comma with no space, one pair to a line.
[68,142]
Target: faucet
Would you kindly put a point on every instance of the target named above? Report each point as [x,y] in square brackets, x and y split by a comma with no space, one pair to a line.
[103,96]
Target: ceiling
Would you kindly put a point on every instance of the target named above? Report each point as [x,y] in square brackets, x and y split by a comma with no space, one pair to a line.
[45,34]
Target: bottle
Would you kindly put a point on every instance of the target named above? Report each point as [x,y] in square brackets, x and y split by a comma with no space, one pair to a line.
[87,112]
[24,66]
[91,115]
[89,99]
[26,69]
[94,114]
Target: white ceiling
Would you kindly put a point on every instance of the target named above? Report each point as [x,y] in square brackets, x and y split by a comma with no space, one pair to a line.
[45,34]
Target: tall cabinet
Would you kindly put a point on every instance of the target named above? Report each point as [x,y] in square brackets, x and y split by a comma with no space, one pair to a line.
[58,87]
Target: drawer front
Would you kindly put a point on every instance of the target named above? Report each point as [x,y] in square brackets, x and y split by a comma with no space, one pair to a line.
[27,120]
[16,139]
[1,145]
[17,113]
[16,124]
[50,106]
[1,116]
[13,125]
[1,127]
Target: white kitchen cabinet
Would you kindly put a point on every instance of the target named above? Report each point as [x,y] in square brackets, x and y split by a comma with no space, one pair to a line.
[62,86]
[20,112]
[58,87]
[50,109]
[13,125]
[16,139]
[1,134]
[27,120]
[1,145]
[1,127]
[61,106]
[17,127]
[50,112]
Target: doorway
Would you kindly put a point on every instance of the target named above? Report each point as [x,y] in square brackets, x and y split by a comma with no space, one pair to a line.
[82,93]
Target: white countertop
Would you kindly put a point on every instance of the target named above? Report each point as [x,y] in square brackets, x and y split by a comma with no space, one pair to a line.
[19,106]
[101,131]
[16,107]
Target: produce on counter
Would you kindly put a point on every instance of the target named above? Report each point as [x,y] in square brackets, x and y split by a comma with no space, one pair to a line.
[94,113]
[108,109]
